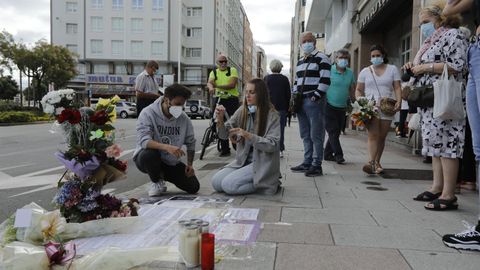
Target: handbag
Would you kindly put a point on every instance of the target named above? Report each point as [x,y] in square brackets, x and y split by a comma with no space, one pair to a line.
[414,123]
[421,96]
[387,105]
[296,101]
[448,103]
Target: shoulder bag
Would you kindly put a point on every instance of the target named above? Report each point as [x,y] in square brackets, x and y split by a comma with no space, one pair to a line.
[387,105]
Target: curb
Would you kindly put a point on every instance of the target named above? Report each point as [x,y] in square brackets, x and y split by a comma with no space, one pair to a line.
[25,123]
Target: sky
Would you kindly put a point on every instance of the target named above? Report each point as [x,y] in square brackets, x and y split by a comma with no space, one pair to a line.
[29,21]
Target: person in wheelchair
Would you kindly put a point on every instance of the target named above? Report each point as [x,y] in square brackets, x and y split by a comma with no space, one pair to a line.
[255,129]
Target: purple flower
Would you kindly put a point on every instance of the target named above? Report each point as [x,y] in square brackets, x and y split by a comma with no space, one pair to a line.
[82,170]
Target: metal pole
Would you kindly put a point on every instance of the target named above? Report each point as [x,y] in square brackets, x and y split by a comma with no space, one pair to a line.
[21,89]
[180,7]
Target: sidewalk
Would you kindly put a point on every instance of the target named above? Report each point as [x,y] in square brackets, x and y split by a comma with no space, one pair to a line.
[337,221]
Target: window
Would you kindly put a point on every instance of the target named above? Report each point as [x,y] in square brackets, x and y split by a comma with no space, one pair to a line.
[193,52]
[97,4]
[157,25]
[117,47]
[120,69]
[117,4]
[193,75]
[406,49]
[137,25]
[72,28]
[137,48]
[138,68]
[157,48]
[96,46]
[157,5]
[194,32]
[117,24]
[73,48]
[194,11]
[96,23]
[137,4]
[71,7]
[100,68]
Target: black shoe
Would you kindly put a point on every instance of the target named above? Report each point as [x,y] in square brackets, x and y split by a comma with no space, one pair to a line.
[469,239]
[339,159]
[427,160]
[314,171]
[329,158]
[225,154]
[300,168]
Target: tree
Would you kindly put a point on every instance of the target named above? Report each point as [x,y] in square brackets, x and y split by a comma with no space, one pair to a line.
[35,94]
[44,63]
[8,88]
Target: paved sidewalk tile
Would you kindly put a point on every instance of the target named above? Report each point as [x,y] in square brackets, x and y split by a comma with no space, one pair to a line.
[328,216]
[421,260]
[390,237]
[309,257]
[296,233]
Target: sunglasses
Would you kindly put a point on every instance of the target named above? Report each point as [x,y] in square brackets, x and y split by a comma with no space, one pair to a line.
[222,61]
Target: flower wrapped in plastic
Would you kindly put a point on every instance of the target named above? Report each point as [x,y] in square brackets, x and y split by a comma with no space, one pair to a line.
[81,169]
[363,110]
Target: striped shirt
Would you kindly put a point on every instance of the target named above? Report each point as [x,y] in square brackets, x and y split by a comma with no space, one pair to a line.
[317,77]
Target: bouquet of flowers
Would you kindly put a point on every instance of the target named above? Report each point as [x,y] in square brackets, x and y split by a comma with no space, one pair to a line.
[363,110]
[91,157]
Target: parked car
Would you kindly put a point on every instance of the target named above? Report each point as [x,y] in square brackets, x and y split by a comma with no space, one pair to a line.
[197,108]
[126,109]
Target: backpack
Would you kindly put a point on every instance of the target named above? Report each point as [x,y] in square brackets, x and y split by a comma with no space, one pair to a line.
[215,73]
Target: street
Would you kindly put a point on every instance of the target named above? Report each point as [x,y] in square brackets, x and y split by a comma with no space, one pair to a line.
[29,171]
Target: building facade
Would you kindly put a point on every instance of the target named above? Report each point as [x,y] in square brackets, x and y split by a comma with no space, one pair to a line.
[115,38]
[297,27]
[247,51]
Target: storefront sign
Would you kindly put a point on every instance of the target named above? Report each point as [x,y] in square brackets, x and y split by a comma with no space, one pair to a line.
[111,79]
[373,11]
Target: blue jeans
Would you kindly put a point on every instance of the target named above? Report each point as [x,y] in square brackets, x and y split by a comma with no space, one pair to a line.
[311,119]
[283,123]
[473,96]
[234,181]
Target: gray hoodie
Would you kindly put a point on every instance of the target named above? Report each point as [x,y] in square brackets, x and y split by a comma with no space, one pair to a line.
[152,124]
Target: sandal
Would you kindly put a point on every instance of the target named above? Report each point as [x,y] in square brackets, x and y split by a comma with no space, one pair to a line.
[378,168]
[447,205]
[369,168]
[427,196]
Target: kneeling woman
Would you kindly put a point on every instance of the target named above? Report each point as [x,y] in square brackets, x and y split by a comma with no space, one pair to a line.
[255,128]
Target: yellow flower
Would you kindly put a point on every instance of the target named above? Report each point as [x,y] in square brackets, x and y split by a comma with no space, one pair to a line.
[51,224]
[109,103]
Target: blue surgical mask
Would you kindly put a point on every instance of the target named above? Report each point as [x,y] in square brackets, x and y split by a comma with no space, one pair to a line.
[342,63]
[427,29]
[376,60]
[308,47]
[252,108]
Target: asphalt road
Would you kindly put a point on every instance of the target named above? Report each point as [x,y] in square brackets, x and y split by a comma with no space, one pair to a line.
[29,171]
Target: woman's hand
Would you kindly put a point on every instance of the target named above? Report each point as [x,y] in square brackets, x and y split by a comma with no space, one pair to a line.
[408,65]
[239,134]
[420,69]
[220,111]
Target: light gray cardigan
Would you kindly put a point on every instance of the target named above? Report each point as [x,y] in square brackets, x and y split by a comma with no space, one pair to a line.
[266,152]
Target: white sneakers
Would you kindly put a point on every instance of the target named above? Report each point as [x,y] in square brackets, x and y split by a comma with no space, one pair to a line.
[156,189]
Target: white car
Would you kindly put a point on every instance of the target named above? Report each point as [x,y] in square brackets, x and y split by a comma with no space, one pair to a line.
[197,108]
[126,109]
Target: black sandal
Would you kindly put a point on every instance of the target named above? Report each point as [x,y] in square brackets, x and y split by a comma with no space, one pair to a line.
[449,205]
[427,196]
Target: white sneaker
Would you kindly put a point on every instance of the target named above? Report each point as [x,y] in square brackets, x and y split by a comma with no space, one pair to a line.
[156,189]
[281,154]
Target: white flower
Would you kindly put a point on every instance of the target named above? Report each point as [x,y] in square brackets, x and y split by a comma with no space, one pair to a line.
[49,109]
[59,110]
[356,107]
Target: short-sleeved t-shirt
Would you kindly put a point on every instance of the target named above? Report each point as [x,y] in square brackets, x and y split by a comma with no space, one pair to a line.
[340,85]
[384,83]
[146,83]
[223,79]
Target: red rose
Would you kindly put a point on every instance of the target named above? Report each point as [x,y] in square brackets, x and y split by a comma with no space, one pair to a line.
[100,117]
[72,116]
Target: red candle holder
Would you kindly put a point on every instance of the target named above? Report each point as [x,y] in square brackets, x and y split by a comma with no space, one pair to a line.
[208,251]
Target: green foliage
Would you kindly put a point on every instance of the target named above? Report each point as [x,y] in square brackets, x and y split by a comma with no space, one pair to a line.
[8,87]
[35,93]
[16,117]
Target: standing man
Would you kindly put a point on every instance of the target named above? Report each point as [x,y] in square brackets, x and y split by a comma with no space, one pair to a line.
[146,87]
[162,129]
[312,78]
[222,82]
[342,86]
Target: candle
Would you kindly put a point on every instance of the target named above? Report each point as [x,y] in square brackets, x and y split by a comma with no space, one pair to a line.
[191,247]
[208,251]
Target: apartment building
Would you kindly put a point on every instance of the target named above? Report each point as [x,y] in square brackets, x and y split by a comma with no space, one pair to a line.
[115,38]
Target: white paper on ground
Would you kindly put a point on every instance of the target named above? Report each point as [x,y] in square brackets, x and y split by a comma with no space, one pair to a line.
[234,231]
[182,204]
[23,218]
[242,213]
